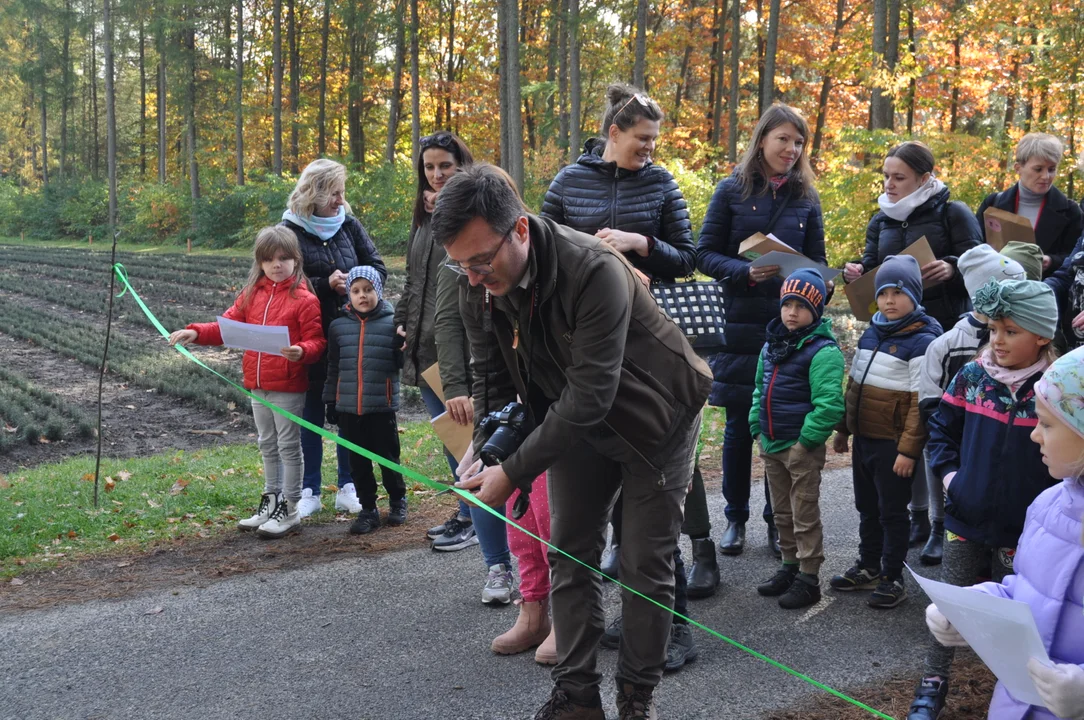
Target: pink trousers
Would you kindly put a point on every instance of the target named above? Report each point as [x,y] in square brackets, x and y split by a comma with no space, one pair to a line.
[534,567]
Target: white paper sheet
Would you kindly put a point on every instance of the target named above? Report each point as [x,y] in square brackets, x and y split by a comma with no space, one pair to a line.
[789,263]
[261,338]
[1002,632]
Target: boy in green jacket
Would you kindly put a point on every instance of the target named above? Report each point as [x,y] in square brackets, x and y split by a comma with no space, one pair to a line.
[797,402]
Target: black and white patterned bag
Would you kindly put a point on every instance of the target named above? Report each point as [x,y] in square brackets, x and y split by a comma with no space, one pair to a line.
[698,308]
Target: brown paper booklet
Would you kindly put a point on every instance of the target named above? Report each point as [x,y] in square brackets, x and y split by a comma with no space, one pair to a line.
[457,438]
[431,375]
[1003,227]
[759,244]
[862,293]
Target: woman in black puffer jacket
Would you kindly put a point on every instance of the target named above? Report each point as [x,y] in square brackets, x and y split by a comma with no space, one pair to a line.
[332,242]
[771,190]
[916,204]
[616,193]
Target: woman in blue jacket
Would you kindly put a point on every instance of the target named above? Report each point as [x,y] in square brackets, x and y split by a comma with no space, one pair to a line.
[771,190]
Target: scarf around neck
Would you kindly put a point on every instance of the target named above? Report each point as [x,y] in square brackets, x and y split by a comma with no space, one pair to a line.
[889,327]
[322,227]
[1011,379]
[782,342]
[902,209]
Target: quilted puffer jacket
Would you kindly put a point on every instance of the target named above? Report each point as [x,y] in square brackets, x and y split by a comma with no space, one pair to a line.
[1048,576]
[592,194]
[750,306]
[882,390]
[273,304]
[950,228]
[348,248]
[363,361]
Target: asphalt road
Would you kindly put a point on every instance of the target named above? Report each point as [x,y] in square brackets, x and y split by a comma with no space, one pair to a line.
[405,636]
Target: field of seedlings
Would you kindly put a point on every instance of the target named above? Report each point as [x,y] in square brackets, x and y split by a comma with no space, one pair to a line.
[53,304]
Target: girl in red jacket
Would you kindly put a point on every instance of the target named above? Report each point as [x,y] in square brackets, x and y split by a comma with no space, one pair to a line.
[276,293]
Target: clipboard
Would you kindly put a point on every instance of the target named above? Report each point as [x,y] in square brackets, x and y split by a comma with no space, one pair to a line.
[861,293]
[1003,227]
[457,438]
[759,244]
[431,375]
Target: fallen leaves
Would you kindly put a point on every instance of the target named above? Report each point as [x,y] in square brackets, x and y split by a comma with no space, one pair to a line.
[155,611]
[89,477]
[4,484]
[110,484]
[178,487]
[114,538]
[18,581]
[124,475]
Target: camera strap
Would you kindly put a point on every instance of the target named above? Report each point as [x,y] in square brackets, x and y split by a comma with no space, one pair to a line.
[487,327]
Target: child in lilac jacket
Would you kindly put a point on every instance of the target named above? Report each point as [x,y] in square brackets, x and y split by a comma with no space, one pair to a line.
[1049,563]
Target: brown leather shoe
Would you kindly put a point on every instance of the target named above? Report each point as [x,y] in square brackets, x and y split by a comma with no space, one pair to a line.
[531,629]
[561,707]
[635,702]
[546,654]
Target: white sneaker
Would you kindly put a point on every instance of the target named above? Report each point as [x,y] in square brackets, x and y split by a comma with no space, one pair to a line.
[309,503]
[499,585]
[283,521]
[268,501]
[346,500]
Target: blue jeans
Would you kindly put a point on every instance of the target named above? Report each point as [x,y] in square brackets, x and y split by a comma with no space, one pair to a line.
[738,465]
[492,531]
[312,445]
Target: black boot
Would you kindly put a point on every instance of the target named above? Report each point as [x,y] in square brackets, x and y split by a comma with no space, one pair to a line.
[733,540]
[610,561]
[704,575]
[773,540]
[935,546]
[920,529]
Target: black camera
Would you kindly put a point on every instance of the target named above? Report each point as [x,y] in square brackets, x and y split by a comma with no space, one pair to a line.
[506,430]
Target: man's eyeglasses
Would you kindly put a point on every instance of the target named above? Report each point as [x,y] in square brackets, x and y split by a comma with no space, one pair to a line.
[481,268]
[443,140]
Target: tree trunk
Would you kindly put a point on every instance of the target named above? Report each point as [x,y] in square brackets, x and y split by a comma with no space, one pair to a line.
[503,71]
[65,84]
[160,95]
[957,42]
[239,87]
[110,115]
[683,74]
[295,79]
[276,87]
[562,82]
[912,86]
[760,56]
[415,99]
[880,39]
[735,79]
[397,84]
[44,114]
[826,83]
[575,119]
[638,67]
[321,121]
[717,80]
[767,80]
[95,147]
[552,45]
[451,64]
[142,99]
[190,106]
[355,75]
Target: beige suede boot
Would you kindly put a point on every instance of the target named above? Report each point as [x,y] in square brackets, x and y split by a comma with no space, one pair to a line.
[546,654]
[531,628]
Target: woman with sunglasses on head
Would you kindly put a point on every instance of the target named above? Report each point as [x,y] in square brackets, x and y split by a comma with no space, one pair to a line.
[333,242]
[440,156]
[770,191]
[615,192]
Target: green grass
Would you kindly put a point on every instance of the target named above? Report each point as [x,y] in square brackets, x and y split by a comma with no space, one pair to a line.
[47,513]
[102,246]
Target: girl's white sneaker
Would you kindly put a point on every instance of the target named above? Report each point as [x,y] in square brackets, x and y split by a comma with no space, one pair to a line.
[309,503]
[346,500]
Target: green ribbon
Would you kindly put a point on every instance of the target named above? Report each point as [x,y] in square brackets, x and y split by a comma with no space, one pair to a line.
[468,497]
